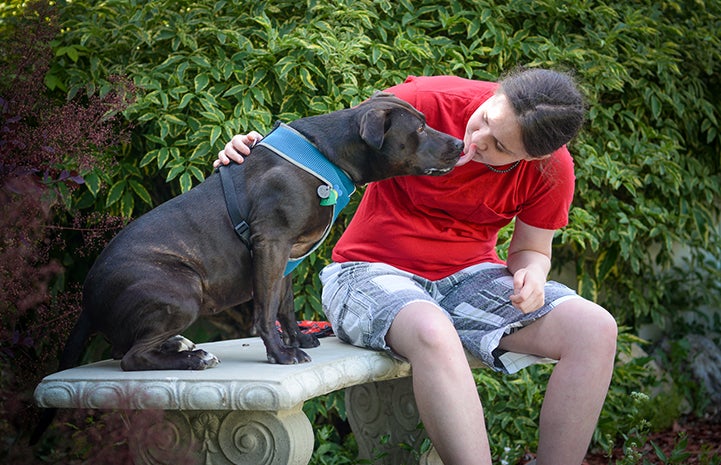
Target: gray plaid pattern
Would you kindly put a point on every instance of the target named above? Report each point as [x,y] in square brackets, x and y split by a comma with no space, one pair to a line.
[361,300]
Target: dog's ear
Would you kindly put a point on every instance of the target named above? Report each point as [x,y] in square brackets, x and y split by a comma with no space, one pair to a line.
[373,127]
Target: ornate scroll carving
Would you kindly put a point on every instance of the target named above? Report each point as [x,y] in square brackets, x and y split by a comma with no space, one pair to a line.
[383,415]
[222,437]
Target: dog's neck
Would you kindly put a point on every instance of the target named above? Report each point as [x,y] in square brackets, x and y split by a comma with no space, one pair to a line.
[321,130]
[296,148]
[336,186]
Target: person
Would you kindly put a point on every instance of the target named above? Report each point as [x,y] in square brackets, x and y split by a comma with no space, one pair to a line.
[417,274]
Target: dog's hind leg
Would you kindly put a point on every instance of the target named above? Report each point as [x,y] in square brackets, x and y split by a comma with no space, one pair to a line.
[171,354]
[154,344]
[293,336]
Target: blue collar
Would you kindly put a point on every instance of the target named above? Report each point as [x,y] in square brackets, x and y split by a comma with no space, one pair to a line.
[337,187]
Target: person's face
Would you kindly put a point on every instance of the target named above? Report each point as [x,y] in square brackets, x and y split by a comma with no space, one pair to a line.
[493,135]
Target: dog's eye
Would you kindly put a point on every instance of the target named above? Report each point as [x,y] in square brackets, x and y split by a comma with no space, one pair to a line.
[421,129]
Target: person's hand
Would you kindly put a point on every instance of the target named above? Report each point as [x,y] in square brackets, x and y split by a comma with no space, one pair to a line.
[238,147]
[528,289]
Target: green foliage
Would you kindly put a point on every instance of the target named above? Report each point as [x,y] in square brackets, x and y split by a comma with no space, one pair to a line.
[331,448]
[512,405]
[647,163]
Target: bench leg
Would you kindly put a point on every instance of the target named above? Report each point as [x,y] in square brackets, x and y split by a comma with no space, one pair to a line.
[385,421]
[226,438]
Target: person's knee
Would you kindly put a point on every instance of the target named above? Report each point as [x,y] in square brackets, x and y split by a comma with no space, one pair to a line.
[424,331]
[437,335]
[600,331]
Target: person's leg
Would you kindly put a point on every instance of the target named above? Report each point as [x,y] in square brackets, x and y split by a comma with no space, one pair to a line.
[443,386]
[582,337]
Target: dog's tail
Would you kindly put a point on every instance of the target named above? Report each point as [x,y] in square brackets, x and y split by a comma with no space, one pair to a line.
[72,353]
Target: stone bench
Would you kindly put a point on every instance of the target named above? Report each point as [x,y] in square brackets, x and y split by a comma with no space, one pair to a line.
[246,410]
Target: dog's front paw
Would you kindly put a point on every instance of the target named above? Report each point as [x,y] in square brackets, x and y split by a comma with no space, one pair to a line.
[210,360]
[200,360]
[288,356]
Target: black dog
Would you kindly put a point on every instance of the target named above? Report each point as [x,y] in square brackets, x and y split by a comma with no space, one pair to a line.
[183,258]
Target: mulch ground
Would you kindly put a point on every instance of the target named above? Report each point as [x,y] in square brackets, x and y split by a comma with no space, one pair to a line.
[703,445]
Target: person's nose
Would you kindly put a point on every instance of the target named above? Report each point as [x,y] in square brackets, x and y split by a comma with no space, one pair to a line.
[480,138]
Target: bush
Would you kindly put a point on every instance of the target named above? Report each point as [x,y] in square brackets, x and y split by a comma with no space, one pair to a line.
[47,146]
[647,163]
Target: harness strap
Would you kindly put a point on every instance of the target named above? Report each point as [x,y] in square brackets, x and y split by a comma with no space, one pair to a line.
[231,202]
[289,144]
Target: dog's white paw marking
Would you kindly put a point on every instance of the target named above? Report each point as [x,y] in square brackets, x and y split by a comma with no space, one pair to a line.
[185,344]
[178,344]
[210,360]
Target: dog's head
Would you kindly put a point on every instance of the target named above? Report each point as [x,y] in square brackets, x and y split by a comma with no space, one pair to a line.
[400,141]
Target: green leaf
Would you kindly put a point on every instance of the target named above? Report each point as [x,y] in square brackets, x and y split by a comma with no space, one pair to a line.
[187,98]
[141,192]
[215,133]
[185,182]
[197,174]
[163,156]
[92,181]
[154,138]
[258,77]
[234,90]
[606,263]
[284,66]
[115,193]
[127,204]
[174,119]
[306,78]
[201,61]
[150,156]
[53,82]
[201,82]
[147,117]
[174,172]
[201,150]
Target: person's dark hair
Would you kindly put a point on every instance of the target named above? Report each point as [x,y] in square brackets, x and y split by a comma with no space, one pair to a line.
[549,106]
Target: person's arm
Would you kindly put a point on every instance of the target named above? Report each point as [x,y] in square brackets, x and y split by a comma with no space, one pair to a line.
[237,148]
[529,260]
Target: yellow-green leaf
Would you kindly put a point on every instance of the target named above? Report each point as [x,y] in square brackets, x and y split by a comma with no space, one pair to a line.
[141,192]
[115,192]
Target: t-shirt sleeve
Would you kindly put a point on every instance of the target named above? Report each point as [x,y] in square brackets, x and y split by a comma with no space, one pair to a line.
[550,198]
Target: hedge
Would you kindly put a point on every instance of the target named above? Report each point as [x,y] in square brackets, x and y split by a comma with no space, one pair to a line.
[648,163]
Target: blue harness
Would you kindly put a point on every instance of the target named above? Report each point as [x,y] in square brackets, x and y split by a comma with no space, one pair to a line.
[335,190]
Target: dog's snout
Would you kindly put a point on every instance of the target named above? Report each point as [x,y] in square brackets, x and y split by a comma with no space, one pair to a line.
[454,148]
[458,145]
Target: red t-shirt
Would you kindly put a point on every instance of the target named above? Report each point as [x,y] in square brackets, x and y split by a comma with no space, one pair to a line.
[434,226]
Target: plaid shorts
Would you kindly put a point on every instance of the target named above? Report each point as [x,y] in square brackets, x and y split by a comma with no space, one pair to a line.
[362,299]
